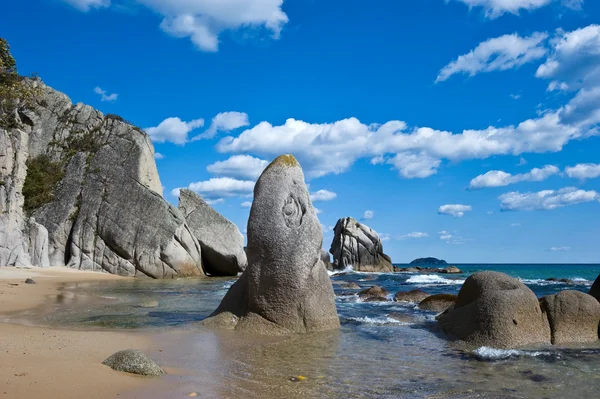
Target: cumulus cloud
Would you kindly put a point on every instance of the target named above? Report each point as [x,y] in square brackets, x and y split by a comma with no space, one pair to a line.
[158,155]
[574,58]
[173,130]
[414,234]
[220,187]
[104,96]
[455,210]
[239,166]
[546,199]
[496,8]
[583,171]
[322,195]
[415,165]
[246,204]
[203,21]
[368,215]
[333,147]
[498,178]
[497,54]
[560,249]
[224,122]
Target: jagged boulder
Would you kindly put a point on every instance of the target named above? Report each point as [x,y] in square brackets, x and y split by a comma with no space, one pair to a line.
[357,245]
[285,288]
[91,181]
[496,310]
[221,241]
[574,316]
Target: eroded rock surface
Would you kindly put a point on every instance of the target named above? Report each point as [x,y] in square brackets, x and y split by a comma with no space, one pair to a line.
[106,210]
[573,315]
[357,245]
[285,288]
[221,241]
[496,310]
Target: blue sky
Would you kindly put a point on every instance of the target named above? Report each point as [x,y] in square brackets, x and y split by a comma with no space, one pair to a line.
[461,129]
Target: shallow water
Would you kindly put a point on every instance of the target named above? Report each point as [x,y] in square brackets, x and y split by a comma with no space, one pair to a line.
[371,356]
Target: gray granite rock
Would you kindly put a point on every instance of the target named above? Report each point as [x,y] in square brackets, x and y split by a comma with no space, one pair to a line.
[355,244]
[285,288]
[496,310]
[574,317]
[107,212]
[133,361]
[13,169]
[221,241]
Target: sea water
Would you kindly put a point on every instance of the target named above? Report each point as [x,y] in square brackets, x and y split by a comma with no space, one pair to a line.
[371,356]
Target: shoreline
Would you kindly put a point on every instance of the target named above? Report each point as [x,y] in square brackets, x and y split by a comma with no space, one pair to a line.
[40,361]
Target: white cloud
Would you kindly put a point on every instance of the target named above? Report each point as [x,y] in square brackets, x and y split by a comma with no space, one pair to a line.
[497,54]
[455,210]
[546,199]
[449,238]
[515,96]
[158,155]
[498,178]
[317,211]
[522,161]
[246,204]
[224,122]
[220,187]
[240,166]
[414,234]
[204,20]
[322,195]
[583,171]
[417,152]
[104,96]
[87,5]
[384,237]
[368,215]
[574,58]
[415,165]
[333,147]
[560,249]
[215,201]
[496,8]
[173,130]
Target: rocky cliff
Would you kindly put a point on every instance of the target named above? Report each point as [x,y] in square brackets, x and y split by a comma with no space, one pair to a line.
[80,189]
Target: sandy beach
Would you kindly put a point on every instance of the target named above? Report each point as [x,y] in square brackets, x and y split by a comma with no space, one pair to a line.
[56,363]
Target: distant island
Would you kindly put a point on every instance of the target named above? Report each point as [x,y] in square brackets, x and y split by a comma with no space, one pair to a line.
[428,262]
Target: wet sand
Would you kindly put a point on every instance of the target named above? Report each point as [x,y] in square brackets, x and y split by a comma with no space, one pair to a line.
[55,363]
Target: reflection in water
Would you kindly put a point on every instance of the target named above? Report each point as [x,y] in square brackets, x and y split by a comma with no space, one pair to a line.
[383,350]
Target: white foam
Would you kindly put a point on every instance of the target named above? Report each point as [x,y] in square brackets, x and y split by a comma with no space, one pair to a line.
[432,279]
[348,269]
[487,353]
[228,284]
[378,320]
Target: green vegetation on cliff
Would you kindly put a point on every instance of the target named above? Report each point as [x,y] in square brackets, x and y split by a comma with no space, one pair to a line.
[43,175]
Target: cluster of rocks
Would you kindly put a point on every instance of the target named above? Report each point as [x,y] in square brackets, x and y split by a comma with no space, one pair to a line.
[494,309]
[102,207]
